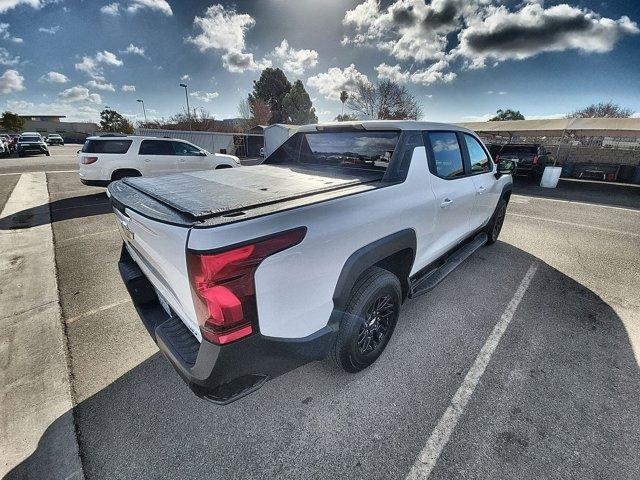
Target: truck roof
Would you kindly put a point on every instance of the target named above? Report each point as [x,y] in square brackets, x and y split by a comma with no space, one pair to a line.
[383,125]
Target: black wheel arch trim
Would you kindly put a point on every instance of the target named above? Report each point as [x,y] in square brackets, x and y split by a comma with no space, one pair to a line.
[368,256]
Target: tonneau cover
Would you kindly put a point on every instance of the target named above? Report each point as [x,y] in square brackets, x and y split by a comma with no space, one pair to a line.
[212,193]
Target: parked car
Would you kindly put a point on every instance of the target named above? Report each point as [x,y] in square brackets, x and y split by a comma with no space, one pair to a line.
[9,141]
[4,147]
[54,139]
[31,142]
[244,274]
[530,159]
[107,158]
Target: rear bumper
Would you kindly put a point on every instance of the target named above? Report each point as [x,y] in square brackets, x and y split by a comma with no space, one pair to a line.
[95,183]
[220,374]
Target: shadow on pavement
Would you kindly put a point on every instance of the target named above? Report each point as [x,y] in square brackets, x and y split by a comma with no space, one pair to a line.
[317,422]
[63,209]
[598,193]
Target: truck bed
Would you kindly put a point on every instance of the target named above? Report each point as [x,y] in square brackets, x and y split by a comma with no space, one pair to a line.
[222,196]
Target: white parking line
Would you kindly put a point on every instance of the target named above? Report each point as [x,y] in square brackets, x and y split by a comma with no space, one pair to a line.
[429,455]
[97,310]
[573,224]
[520,199]
[40,171]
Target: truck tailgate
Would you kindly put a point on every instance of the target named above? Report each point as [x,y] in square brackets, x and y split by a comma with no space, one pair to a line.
[159,250]
[207,194]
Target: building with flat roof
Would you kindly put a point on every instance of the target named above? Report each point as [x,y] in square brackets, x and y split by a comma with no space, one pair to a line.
[70,131]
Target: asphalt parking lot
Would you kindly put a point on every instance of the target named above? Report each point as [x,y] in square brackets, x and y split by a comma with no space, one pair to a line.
[558,398]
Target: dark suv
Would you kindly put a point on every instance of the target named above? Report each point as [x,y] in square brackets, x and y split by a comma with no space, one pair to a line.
[530,158]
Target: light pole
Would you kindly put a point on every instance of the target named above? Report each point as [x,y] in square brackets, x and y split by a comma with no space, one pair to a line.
[143,110]
[186,95]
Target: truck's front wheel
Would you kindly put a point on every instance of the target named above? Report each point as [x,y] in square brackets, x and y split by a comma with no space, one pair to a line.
[369,319]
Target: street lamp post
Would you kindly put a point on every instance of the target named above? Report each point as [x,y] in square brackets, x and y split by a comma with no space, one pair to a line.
[186,95]
[143,110]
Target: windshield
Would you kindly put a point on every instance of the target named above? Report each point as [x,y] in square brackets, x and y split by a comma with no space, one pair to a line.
[30,139]
[364,150]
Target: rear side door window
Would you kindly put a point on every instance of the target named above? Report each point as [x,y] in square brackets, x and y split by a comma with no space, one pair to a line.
[478,158]
[156,147]
[447,155]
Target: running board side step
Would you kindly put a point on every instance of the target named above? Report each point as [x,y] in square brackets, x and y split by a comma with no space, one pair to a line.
[432,278]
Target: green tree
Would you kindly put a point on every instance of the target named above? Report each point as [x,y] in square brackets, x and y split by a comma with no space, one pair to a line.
[507,114]
[271,87]
[602,110]
[11,122]
[112,121]
[297,106]
[345,117]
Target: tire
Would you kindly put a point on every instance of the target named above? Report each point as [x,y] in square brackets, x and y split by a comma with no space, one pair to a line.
[494,226]
[220,167]
[369,320]
[47,154]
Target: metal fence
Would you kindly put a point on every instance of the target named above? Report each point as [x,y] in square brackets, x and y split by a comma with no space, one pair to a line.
[239,144]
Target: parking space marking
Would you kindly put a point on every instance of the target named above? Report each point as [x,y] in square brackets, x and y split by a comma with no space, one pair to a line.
[574,224]
[429,455]
[96,310]
[41,171]
[92,234]
[586,204]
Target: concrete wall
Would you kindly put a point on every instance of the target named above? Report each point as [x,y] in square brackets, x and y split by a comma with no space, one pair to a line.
[596,155]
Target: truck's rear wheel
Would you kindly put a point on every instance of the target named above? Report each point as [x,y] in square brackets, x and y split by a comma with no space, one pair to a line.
[369,319]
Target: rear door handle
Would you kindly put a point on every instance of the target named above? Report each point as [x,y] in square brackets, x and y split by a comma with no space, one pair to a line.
[446,202]
[481,189]
[147,160]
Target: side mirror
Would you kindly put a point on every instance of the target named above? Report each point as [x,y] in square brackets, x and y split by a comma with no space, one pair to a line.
[78,151]
[203,153]
[505,167]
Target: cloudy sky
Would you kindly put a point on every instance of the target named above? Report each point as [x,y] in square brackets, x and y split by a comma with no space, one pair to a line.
[463,59]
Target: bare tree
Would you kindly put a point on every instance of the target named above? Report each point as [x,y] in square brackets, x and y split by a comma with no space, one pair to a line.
[386,100]
[602,110]
[254,112]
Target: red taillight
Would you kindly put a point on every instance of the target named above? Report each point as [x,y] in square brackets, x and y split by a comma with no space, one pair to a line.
[497,158]
[535,160]
[88,160]
[223,288]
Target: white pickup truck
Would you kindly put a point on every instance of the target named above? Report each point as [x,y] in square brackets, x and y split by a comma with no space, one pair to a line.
[243,274]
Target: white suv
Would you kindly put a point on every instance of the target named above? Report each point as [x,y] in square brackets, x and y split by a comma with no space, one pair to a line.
[107,158]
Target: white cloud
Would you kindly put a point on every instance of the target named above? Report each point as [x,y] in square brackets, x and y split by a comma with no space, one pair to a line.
[134,50]
[54,77]
[6,5]
[224,29]
[108,58]
[486,30]
[393,73]
[105,87]
[157,5]
[331,83]
[79,94]
[185,78]
[501,34]
[92,66]
[5,35]
[111,9]
[51,30]
[73,112]
[295,61]
[11,81]
[128,88]
[238,62]
[6,59]
[205,96]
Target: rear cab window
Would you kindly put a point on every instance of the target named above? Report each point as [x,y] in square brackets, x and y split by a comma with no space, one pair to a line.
[446,154]
[106,146]
[345,150]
